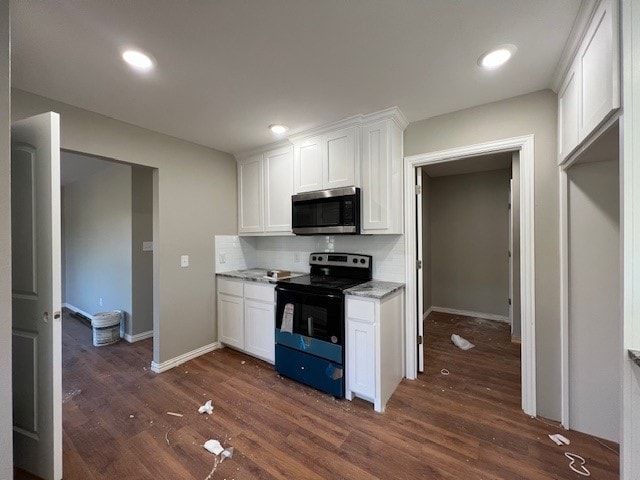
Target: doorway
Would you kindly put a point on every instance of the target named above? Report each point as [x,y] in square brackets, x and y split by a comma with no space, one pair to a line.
[107,246]
[524,147]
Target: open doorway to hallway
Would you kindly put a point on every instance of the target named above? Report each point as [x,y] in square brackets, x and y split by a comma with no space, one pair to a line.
[107,247]
[470,267]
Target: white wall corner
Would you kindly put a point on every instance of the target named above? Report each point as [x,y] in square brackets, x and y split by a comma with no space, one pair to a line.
[180,359]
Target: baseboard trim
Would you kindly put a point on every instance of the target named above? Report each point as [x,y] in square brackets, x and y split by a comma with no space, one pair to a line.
[185,357]
[426,314]
[468,313]
[77,310]
[138,336]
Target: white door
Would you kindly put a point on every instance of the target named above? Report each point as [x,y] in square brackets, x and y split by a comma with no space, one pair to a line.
[511,254]
[278,174]
[419,271]
[37,322]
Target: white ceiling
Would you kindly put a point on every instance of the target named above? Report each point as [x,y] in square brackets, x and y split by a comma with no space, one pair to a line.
[228,68]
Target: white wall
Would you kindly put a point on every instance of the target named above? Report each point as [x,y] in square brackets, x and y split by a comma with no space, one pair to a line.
[98,242]
[141,261]
[196,200]
[470,242]
[282,252]
[594,299]
[534,113]
[6,415]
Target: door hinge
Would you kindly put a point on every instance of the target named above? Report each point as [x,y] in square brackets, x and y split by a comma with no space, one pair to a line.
[509,206]
[509,253]
[418,264]
[418,189]
[419,339]
[509,301]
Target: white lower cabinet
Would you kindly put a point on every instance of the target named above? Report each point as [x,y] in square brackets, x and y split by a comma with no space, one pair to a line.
[259,327]
[374,347]
[246,317]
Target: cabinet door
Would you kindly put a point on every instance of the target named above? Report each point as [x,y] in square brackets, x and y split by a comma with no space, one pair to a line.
[308,165]
[376,176]
[259,322]
[599,69]
[278,174]
[250,195]
[230,320]
[361,358]
[339,158]
[568,115]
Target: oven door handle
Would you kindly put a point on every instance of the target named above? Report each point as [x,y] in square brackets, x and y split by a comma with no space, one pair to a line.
[317,295]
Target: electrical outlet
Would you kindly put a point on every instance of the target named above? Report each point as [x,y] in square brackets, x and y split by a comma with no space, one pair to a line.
[222,258]
[184,261]
[296,257]
[100,301]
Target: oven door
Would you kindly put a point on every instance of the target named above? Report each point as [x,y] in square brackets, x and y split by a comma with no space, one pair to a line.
[314,315]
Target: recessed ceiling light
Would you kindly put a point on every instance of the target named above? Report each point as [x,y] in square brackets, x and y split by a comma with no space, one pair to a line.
[138,60]
[496,57]
[278,129]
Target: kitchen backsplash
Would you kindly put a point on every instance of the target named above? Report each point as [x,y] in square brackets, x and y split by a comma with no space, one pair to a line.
[292,252]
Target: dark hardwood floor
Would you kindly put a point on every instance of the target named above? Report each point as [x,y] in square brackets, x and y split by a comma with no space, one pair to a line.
[466,425]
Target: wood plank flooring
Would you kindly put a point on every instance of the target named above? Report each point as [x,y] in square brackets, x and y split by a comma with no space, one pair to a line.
[465,425]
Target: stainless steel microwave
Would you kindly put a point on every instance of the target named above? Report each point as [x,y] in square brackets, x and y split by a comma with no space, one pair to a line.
[326,212]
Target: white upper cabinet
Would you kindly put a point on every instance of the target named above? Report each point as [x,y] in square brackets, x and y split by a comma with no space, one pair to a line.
[265,186]
[250,195]
[590,91]
[308,165]
[599,69]
[339,158]
[568,105]
[278,176]
[326,161]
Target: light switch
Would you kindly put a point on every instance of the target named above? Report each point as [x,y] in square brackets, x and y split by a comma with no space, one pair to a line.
[147,246]
[184,261]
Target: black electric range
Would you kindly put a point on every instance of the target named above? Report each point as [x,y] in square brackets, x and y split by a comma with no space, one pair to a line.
[310,330]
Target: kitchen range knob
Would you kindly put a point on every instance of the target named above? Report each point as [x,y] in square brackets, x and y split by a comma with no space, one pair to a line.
[355,260]
[313,258]
[362,260]
[320,259]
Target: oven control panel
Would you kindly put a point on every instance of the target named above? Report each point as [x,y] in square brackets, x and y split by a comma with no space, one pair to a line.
[340,259]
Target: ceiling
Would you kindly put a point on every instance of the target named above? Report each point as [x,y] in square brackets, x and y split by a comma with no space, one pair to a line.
[226,69]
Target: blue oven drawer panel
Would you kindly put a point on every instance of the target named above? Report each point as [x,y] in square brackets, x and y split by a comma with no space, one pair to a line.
[316,347]
[313,371]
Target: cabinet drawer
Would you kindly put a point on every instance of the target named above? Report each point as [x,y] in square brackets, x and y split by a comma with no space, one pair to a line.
[361,310]
[229,287]
[256,291]
[317,372]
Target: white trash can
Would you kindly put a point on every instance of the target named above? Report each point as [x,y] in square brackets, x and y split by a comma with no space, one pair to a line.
[106,327]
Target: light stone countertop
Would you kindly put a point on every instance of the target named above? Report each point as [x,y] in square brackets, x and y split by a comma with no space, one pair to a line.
[635,356]
[254,275]
[374,289]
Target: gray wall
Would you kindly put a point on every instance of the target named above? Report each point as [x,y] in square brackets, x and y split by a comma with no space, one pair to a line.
[516,328]
[97,232]
[142,262]
[535,114]
[196,200]
[594,299]
[470,241]
[6,415]
[426,242]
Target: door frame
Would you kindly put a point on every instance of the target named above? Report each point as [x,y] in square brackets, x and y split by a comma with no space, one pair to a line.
[525,146]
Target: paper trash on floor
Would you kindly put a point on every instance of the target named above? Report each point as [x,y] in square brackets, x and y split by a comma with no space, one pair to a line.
[461,343]
[206,408]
